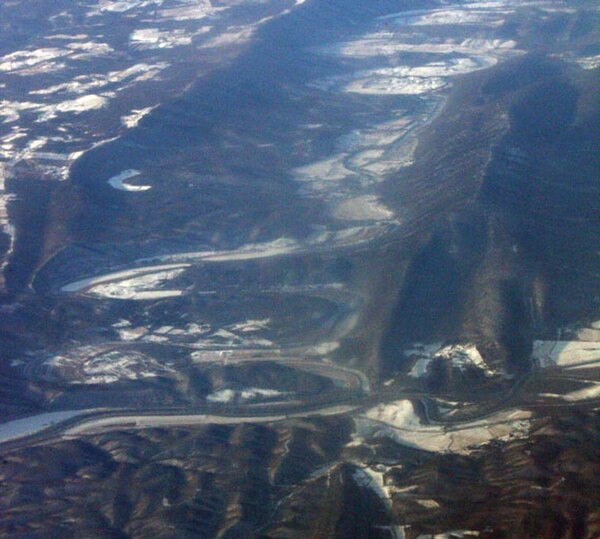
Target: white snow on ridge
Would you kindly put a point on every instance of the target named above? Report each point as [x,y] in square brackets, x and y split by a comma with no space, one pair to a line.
[461,356]
[118,181]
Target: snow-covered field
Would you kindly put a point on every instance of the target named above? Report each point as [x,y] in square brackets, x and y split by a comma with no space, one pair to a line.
[398,421]
[406,57]
[567,354]
[347,178]
[86,367]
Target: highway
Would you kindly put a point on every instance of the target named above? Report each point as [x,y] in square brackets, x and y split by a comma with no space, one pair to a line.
[89,422]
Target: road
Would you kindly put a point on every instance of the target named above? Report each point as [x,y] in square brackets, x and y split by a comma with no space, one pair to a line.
[89,422]
[94,426]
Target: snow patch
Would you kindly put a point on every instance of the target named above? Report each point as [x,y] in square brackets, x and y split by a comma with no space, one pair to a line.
[118,181]
[19,60]
[566,354]
[250,325]
[461,356]
[153,38]
[589,62]
[323,348]
[229,395]
[139,288]
[398,421]
[591,392]
[104,368]
[133,118]
[78,286]
[76,106]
